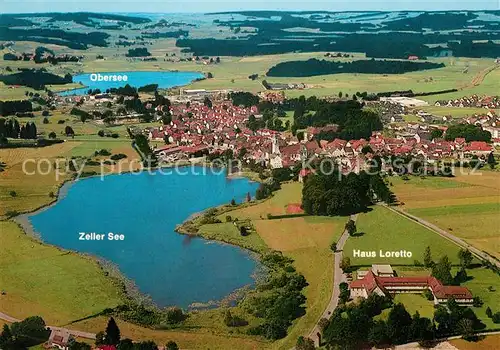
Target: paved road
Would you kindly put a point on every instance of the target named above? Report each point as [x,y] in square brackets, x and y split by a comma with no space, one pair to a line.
[480,254]
[73,332]
[338,278]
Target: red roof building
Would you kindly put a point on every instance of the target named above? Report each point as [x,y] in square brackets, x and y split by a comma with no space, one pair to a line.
[371,283]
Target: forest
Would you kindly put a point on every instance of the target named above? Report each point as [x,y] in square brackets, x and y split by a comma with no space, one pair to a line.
[35,78]
[314,67]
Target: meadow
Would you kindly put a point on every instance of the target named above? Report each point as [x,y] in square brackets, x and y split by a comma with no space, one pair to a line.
[466,205]
[44,280]
[382,229]
[466,74]
[307,240]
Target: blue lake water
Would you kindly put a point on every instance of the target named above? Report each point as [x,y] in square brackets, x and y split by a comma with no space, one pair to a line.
[173,269]
[136,79]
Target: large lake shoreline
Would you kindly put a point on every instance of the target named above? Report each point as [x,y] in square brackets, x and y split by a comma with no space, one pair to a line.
[24,221]
[165,79]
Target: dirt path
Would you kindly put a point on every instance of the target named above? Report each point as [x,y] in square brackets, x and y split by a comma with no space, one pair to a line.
[338,278]
[479,77]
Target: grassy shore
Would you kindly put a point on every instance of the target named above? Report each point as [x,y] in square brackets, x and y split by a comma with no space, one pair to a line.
[307,240]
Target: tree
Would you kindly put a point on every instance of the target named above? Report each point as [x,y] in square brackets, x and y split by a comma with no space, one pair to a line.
[249,197]
[207,102]
[442,271]
[345,264]
[465,257]
[233,202]
[146,345]
[436,134]
[378,334]
[171,345]
[333,247]
[428,257]
[350,226]
[304,344]
[6,338]
[100,133]
[398,324]
[52,135]
[99,338]
[466,328]
[489,313]
[112,333]
[68,130]
[45,120]
[125,344]
[491,160]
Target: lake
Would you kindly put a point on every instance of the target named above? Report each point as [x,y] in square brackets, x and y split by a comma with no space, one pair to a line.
[136,79]
[172,269]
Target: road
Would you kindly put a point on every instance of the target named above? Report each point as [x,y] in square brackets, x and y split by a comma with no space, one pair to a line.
[338,278]
[79,334]
[480,254]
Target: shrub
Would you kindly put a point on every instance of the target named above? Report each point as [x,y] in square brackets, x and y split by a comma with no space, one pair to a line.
[233,321]
[45,113]
[229,218]
[489,313]
[171,345]
[118,156]
[45,121]
[115,136]
[496,317]
[175,315]
[13,193]
[52,135]
[100,133]
[61,121]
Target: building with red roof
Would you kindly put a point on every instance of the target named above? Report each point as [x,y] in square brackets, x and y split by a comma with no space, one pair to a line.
[384,285]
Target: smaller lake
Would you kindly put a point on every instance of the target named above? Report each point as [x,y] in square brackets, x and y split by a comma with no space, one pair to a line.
[164,80]
[173,269]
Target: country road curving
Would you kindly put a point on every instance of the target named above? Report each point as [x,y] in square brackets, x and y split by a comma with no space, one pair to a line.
[338,278]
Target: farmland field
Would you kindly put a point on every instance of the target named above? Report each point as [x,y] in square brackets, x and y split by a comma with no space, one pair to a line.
[466,206]
[382,229]
[305,239]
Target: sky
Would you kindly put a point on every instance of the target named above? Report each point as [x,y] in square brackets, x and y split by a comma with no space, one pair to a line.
[187,6]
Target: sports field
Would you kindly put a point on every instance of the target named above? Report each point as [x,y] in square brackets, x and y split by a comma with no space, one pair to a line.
[468,206]
[384,230]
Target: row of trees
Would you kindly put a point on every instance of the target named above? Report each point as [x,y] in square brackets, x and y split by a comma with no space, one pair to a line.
[12,129]
[468,131]
[278,300]
[354,326]
[337,194]
[22,335]
[353,121]
[313,67]
[112,336]
[15,106]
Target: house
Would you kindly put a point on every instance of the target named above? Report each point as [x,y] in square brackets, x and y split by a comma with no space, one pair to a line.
[385,284]
[59,339]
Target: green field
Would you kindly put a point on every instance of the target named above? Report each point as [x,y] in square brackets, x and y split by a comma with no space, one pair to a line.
[382,229]
[232,73]
[305,239]
[44,280]
[466,205]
